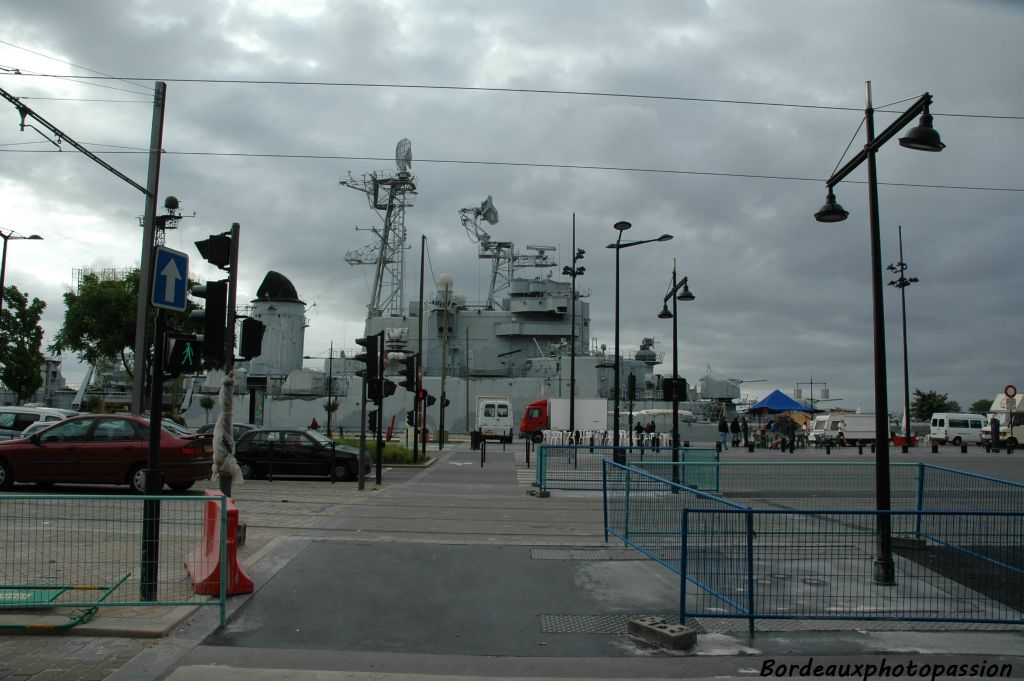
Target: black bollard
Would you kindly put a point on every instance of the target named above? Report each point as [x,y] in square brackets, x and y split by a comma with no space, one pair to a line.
[860,448]
[483,452]
[1009,446]
[963,448]
[527,452]
[828,449]
[935,448]
[750,446]
[872,447]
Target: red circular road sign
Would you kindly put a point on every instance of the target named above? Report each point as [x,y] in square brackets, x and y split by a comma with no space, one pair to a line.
[1010,391]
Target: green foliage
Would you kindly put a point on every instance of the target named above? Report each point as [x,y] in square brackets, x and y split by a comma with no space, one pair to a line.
[206,402]
[980,406]
[21,341]
[926,404]
[331,406]
[99,320]
[393,453]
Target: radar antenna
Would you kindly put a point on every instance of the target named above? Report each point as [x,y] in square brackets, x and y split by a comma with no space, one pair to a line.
[504,260]
[389,196]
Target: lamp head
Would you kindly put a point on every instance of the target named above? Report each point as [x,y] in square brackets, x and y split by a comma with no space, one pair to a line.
[567,271]
[685,294]
[831,211]
[35,237]
[622,226]
[664,314]
[664,237]
[923,137]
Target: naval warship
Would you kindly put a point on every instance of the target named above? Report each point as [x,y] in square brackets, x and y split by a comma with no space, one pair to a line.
[519,342]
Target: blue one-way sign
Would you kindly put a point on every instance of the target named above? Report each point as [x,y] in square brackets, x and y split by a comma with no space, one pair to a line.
[170,279]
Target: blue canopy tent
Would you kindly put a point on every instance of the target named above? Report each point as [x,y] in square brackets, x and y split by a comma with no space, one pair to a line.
[777,402]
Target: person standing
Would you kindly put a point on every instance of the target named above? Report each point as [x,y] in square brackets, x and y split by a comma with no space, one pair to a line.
[723,432]
[745,431]
[734,430]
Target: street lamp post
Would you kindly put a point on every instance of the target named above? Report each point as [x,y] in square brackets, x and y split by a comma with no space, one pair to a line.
[902,282]
[622,226]
[10,235]
[573,272]
[685,295]
[922,137]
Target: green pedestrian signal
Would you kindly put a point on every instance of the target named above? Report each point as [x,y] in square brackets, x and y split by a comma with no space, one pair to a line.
[184,354]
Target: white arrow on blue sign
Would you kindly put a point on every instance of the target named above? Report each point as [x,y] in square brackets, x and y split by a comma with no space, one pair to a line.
[170,279]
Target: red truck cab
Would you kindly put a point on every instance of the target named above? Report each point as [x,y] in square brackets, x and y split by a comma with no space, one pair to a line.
[536,418]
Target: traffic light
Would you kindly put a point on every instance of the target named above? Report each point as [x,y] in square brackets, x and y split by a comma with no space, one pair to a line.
[214,317]
[445,401]
[427,398]
[371,357]
[409,365]
[410,417]
[250,342]
[183,354]
[216,250]
[377,391]
[372,417]
[667,386]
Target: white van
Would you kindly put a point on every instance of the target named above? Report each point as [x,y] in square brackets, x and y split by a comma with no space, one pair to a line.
[494,418]
[13,420]
[956,428]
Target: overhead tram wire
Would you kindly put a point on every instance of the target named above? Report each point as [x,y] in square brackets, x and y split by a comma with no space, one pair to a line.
[142,89]
[536,91]
[515,164]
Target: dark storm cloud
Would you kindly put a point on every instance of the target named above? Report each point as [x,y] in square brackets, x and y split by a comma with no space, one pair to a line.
[779,296]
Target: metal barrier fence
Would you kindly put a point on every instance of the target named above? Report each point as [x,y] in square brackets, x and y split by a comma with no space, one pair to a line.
[644,510]
[568,467]
[795,484]
[76,553]
[770,564]
[953,562]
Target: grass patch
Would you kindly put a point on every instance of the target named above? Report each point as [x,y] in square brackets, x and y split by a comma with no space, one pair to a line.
[394,453]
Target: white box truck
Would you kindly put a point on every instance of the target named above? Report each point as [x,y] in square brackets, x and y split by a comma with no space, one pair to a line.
[552,413]
[494,417]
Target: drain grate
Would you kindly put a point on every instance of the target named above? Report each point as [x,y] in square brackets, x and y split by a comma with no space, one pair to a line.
[586,554]
[591,624]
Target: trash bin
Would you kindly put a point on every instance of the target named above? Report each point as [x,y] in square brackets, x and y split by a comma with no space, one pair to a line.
[474,439]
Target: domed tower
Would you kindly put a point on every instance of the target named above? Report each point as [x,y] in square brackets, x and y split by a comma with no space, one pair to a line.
[277,305]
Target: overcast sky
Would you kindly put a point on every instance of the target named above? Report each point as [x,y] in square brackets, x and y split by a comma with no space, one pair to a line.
[780,297]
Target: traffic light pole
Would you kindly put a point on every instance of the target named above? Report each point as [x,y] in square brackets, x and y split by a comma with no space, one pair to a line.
[229,353]
[362,440]
[380,405]
[154,476]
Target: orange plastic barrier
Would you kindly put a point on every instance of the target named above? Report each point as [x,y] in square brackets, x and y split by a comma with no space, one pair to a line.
[203,562]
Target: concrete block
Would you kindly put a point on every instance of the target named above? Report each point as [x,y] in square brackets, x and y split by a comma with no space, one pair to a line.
[656,630]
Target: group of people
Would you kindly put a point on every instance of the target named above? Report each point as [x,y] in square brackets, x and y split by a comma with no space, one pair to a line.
[738,428]
[779,433]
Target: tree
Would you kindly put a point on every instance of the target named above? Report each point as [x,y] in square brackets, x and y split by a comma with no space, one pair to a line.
[980,407]
[206,402]
[99,321]
[330,407]
[21,340]
[926,404]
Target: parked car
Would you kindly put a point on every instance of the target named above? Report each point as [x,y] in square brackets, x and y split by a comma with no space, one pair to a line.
[294,451]
[14,420]
[105,449]
[236,428]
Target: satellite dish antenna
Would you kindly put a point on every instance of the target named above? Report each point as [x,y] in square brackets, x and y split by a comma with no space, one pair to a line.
[403,155]
[488,212]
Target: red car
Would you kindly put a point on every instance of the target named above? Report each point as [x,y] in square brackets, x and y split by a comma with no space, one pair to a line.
[105,449]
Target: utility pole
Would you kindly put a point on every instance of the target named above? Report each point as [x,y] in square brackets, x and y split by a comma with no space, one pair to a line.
[148,220]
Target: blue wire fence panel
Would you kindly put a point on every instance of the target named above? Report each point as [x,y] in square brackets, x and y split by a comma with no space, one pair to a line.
[569,467]
[763,544]
[764,564]
[84,551]
[644,511]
